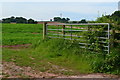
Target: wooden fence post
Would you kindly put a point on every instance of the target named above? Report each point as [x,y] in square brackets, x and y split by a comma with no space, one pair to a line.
[112,38]
[71,32]
[44,30]
[63,28]
[89,31]
[88,36]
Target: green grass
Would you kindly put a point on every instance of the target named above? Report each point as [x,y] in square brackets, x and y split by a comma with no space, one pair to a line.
[20,38]
[14,34]
[65,54]
[21,28]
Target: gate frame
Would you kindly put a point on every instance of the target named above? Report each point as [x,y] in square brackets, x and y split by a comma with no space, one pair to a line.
[45,29]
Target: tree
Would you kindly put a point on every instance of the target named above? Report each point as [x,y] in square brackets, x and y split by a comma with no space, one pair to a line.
[83,21]
[67,19]
[57,19]
[18,20]
[64,20]
[21,20]
[12,19]
[7,20]
[114,18]
[50,19]
[31,21]
[116,13]
[35,22]
[74,21]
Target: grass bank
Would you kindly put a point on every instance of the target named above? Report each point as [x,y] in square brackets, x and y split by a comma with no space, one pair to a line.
[45,53]
[54,55]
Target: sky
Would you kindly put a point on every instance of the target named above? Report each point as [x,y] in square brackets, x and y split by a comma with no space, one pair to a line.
[73,9]
[59,0]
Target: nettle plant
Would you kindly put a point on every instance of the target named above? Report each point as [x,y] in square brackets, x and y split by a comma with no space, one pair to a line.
[95,36]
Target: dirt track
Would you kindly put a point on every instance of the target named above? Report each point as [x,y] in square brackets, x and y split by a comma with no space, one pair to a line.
[10,70]
[16,46]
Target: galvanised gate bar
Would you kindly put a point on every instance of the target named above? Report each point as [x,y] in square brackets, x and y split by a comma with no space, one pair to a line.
[88,35]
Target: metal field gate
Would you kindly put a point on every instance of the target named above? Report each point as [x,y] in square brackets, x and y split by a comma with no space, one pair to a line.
[92,36]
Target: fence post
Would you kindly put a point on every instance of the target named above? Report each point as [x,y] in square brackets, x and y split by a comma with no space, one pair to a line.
[89,31]
[112,38]
[44,30]
[89,36]
[108,38]
[71,32]
[63,28]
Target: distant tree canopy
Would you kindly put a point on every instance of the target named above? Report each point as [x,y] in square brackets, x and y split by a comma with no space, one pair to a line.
[64,20]
[30,21]
[114,18]
[18,20]
[83,21]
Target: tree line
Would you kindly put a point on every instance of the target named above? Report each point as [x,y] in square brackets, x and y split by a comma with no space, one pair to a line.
[18,20]
[59,19]
[67,20]
[114,19]
[31,21]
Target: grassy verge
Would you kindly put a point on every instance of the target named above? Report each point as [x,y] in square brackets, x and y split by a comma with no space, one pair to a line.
[67,57]
[54,55]
[63,53]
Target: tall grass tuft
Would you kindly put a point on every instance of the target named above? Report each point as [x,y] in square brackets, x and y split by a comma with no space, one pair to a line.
[66,53]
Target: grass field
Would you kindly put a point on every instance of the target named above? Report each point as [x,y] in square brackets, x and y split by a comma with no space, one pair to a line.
[17,34]
[57,56]
[38,57]
[14,34]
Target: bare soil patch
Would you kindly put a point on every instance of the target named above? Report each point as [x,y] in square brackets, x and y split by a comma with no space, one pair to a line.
[16,46]
[10,70]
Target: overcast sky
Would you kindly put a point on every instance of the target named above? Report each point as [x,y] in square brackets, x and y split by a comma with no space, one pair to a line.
[77,10]
[59,0]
